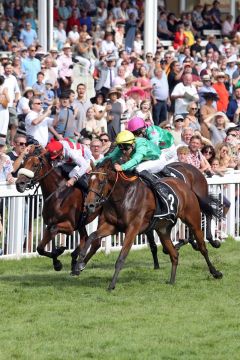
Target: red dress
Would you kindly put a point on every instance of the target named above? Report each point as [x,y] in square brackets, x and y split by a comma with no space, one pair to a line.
[178,40]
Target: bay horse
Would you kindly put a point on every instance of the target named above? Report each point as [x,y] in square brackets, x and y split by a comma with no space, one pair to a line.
[128,205]
[63,206]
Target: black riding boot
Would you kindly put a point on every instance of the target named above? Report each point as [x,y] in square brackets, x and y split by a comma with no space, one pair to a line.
[165,172]
[153,181]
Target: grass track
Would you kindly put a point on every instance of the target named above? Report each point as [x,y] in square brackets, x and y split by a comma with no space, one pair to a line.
[47,315]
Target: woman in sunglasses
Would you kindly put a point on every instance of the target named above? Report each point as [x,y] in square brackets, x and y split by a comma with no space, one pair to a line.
[191,119]
[209,153]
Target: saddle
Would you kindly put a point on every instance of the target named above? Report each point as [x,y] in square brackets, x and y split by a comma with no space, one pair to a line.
[166,199]
[171,171]
[82,182]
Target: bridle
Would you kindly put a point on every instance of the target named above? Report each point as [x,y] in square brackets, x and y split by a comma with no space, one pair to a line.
[33,181]
[101,198]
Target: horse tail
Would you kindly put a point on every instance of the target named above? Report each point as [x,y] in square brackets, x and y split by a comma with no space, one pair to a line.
[211,206]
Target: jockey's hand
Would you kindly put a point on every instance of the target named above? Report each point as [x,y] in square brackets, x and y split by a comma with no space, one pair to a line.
[118,167]
[71,182]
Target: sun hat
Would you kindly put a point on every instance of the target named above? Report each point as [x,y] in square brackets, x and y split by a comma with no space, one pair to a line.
[67,46]
[206,78]
[178,117]
[130,79]
[114,91]
[135,89]
[28,89]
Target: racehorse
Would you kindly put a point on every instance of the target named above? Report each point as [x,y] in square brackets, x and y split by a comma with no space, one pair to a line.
[129,205]
[63,206]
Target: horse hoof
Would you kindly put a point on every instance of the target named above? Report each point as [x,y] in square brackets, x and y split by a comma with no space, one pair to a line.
[217,275]
[81,266]
[110,288]
[57,265]
[156,267]
[194,245]
[75,273]
[169,282]
[216,244]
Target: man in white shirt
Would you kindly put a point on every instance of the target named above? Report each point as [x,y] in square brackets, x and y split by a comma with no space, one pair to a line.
[14,94]
[184,93]
[38,123]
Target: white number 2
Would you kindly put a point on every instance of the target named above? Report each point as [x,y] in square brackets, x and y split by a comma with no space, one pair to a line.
[171,200]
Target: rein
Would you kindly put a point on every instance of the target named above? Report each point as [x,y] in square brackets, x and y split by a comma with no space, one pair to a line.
[119,174]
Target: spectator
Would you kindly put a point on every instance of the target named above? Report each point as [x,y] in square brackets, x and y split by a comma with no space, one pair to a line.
[224,154]
[4,114]
[114,111]
[184,93]
[145,112]
[195,156]
[5,164]
[160,94]
[96,149]
[217,125]
[100,110]
[73,25]
[14,95]
[163,32]
[233,109]
[31,67]
[39,86]
[92,124]
[183,152]
[216,15]
[19,152]
[65,64]
[65,123]
[120,78]
[23,104]
[187,133]
[28,35]
[82,103]
[191,119]
[106,143]
[209,153]
[178,127]
[60,36]
[228,25]
[222,92]
[38,123]
[108,72]
[205,89]
[179,37]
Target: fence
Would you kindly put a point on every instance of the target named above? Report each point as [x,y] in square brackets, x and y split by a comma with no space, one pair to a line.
[22,223]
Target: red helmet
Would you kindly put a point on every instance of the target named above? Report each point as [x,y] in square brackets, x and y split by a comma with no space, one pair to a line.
[54,148]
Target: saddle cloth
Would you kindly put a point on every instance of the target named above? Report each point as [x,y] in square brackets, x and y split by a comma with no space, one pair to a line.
[175,173]
[166,200]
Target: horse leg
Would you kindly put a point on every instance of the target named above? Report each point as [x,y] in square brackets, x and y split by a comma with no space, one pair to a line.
[47,237]
[215,243]
[196,229]
[105,229]
[202,247]
[83,236]
[164,234]
[153,248]
[130,235]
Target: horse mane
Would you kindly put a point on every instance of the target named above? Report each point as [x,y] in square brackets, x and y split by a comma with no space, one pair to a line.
[36,150]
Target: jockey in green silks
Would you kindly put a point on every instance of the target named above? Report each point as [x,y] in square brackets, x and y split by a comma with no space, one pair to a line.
[137,149]
[158,136]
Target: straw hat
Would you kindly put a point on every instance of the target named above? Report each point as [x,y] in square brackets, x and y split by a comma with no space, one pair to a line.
[114,91]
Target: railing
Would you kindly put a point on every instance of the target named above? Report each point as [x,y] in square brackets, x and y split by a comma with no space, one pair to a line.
[22,223]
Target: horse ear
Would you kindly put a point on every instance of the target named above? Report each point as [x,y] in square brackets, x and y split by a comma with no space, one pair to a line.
[92,165]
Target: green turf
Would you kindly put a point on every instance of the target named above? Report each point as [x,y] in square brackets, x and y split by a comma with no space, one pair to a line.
[48,315]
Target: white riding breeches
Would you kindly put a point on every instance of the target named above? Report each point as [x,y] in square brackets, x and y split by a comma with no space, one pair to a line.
[153,166]
[170,154]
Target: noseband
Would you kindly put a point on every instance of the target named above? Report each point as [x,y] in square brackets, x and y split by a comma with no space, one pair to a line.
[32,175]
[101,198]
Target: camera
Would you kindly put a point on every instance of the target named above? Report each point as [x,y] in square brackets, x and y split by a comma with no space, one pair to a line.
[53,110]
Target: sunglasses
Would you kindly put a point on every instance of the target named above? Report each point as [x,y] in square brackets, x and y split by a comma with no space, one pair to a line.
[179,120]
[22,143]
[167,127]
[193,108]
[104,140]
[235,135]
[208,152]
[39,103]
[125,147]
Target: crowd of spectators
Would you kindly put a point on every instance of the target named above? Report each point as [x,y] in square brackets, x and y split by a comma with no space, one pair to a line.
[189,89]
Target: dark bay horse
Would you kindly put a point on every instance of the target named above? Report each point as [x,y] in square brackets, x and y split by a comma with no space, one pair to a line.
[63,206]
[128,205]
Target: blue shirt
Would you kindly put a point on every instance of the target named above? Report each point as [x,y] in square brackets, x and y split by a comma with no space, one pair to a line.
[28,37]
[160,87]
[31,66]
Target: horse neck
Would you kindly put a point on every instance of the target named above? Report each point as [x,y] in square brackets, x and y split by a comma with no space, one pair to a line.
[50,182]
[120,187]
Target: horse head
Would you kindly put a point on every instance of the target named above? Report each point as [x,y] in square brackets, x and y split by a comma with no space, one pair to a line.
[101,182]
[33,168]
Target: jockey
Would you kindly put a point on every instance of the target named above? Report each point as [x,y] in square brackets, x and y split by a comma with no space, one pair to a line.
[68,152]
[162,138]
[138,149]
